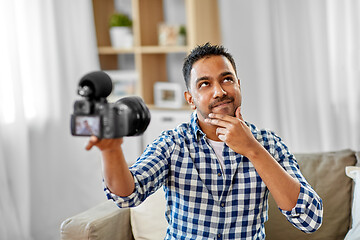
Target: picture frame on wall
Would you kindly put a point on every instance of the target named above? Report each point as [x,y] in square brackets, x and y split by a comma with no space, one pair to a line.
[168,34]
[168,95]
[171,35]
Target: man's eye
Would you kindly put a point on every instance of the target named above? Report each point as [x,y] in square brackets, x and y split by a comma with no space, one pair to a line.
[203,84]
[228,79]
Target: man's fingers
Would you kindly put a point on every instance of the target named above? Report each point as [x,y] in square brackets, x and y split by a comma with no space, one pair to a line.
[222,138]
[216,121]
[92,141]
[238,113]
[221,131]
[89,146]
[221,119]
[217,116]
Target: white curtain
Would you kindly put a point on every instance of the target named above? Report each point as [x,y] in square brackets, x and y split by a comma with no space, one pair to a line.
[46,46]
[299,64]
[299,67]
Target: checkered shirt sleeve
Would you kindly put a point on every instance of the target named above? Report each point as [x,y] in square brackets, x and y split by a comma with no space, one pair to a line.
[308,211]
[206,201]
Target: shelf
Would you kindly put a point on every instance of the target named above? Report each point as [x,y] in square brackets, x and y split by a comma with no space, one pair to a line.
[164,49]
[108,50]
[154,107]
[151,61]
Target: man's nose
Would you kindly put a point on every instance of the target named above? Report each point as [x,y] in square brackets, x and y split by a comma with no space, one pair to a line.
[219,91]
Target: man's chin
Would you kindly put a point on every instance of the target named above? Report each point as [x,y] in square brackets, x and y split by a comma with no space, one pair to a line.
[224,111]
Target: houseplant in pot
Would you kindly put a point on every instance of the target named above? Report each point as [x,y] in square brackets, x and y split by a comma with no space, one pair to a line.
[120,30]
[182,35]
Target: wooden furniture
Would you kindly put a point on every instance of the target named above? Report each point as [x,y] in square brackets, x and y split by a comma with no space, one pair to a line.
[202,25]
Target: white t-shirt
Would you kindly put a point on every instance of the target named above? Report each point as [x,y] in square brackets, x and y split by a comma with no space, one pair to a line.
[218,149]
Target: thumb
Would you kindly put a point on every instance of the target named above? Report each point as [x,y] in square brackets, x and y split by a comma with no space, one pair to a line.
[238,113]
[92,141]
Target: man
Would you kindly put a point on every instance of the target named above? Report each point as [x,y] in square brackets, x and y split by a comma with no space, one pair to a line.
[217,170]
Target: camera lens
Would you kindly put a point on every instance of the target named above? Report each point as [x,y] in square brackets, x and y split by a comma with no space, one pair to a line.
[138,115]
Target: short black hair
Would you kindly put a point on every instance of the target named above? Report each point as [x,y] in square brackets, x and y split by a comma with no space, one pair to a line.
[202,51]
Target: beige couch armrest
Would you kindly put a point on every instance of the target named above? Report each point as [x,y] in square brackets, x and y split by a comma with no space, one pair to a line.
[104,221]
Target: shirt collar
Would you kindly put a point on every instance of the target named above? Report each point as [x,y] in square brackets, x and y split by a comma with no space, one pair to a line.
[195,126]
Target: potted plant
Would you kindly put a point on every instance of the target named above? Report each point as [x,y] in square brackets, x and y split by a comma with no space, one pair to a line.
[120,30]
[182,35]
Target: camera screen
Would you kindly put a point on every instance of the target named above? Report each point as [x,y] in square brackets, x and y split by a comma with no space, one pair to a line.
[87,125]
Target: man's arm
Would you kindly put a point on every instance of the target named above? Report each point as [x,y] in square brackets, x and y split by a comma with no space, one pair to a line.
[117,175]
[237,135]
[297,200]
[284,188]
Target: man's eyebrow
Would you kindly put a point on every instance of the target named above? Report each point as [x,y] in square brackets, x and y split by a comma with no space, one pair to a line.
[202,78]
[226,73]
[223,74]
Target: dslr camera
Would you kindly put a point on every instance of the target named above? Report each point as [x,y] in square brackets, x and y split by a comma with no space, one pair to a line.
[94,115]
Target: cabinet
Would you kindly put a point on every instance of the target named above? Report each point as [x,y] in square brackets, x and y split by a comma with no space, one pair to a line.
[160,120]
[163,120]
[202,25]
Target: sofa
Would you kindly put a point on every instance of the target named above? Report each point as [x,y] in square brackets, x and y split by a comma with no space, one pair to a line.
[324,171]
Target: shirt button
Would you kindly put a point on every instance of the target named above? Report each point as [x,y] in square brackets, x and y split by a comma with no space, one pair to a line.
[219,235]
[219,174]
[222,204]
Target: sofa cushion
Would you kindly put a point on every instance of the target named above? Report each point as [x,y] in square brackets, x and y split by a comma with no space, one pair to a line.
[103,222]
[326,174]
[354,232]
[148,219]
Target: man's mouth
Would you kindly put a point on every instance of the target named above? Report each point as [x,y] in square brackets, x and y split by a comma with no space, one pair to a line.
[220,102]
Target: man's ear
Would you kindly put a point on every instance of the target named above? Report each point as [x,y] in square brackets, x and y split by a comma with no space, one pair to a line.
[189,99]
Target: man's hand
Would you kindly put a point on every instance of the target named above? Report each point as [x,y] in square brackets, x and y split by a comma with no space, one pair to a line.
[237,135]
[104,144]
[117,176]
[234,132]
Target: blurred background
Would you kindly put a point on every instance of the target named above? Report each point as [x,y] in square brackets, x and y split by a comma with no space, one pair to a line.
[298,63]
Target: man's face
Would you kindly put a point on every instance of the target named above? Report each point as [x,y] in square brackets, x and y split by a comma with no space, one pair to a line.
[214,87]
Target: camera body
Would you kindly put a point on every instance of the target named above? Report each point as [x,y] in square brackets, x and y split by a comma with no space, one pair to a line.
[93,115]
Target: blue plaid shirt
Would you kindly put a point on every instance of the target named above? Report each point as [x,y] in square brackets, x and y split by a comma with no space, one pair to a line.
[205,201]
